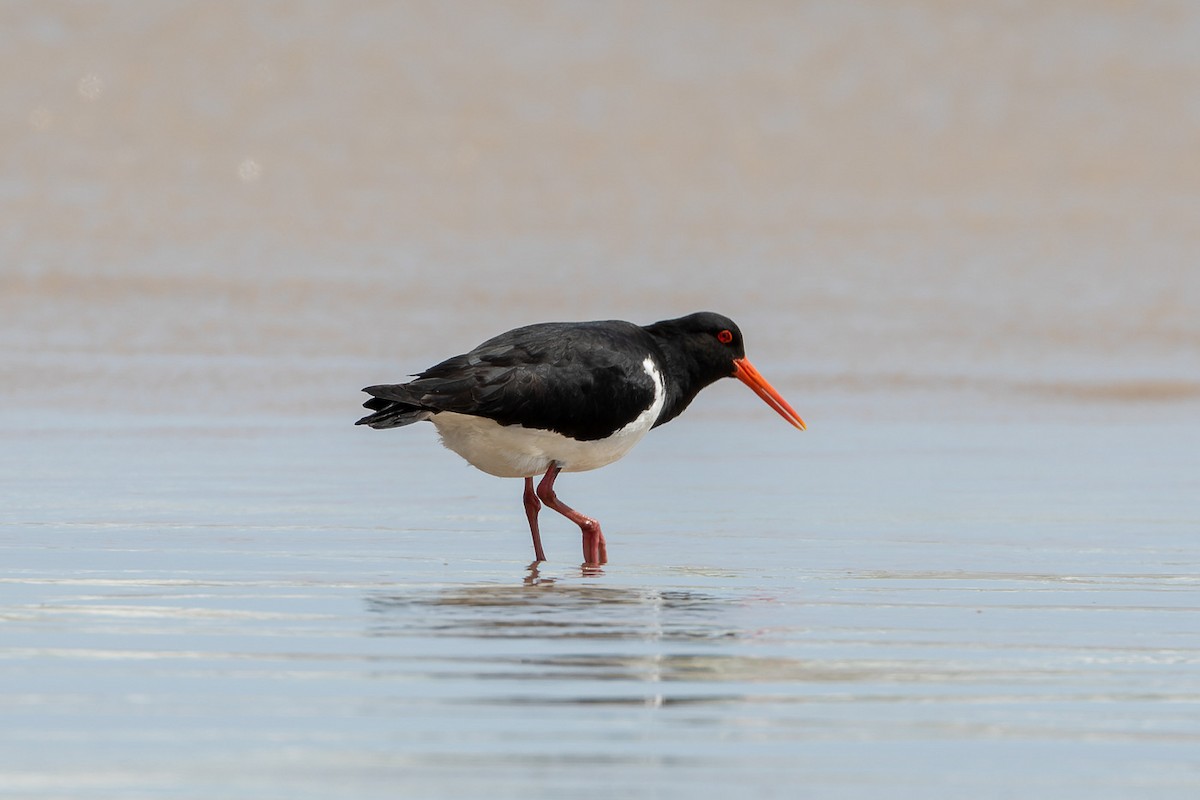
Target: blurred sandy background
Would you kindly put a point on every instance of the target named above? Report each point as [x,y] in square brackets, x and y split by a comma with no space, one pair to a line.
[221,207]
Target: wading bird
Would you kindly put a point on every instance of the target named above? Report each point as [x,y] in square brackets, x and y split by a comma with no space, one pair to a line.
[568,397]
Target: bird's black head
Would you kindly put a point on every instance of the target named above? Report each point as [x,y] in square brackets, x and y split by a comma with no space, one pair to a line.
[707,342]
[702,348]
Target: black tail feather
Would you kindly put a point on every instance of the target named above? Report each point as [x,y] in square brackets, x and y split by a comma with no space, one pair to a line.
[391,412]
[392,415]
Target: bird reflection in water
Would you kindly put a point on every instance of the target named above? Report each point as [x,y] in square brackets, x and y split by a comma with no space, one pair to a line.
[569,629]
[547,606]
[533,573]
[557,639]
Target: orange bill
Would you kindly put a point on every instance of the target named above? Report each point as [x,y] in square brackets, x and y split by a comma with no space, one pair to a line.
[745,372]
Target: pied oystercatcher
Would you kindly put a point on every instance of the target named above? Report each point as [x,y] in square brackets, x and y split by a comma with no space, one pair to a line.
[567,397]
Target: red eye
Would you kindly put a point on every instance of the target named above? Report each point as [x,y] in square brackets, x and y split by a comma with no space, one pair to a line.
[725,337]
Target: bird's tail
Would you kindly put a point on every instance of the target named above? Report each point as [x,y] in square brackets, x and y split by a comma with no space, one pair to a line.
[389,413]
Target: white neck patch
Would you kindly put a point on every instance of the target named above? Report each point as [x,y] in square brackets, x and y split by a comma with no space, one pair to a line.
[645,421]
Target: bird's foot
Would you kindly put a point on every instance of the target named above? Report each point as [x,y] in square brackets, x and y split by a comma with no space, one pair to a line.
[595,550]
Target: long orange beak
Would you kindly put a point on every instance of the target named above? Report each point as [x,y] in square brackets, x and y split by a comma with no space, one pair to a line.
[745,372]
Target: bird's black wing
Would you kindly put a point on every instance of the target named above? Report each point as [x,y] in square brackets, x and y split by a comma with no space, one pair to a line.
[581,380]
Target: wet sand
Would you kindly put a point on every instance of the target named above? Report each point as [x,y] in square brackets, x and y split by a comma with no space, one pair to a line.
[960,241]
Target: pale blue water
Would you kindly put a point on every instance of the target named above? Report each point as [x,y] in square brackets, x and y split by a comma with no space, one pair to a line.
[310,610]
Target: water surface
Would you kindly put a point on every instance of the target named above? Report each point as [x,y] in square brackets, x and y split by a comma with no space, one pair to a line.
[230,614]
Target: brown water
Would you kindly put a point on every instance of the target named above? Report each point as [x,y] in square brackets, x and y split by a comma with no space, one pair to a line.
[960,239]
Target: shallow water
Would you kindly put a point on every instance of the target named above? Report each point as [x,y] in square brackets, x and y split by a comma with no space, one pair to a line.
[225,613]
[961,241]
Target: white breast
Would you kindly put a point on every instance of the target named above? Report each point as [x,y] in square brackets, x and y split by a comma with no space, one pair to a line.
[512,451]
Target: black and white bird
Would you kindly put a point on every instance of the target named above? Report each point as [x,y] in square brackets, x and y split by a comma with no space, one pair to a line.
[568,397]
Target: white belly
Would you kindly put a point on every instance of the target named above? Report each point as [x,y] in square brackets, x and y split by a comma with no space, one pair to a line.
[512,451]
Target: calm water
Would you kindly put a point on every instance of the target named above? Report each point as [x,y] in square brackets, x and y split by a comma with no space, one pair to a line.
[288,611]
[961,241]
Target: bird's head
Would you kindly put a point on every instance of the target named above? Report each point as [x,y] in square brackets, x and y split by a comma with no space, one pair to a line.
[712,345]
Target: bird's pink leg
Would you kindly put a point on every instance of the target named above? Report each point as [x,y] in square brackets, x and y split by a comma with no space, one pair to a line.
[594,549]
[532,507]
